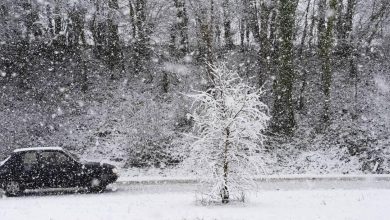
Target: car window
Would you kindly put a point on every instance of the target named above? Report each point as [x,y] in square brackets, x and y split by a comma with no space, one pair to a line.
[54,158]
[62,158]
[73,156]
[29,158]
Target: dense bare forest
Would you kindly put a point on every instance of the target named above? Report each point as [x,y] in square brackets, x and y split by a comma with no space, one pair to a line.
[109,78]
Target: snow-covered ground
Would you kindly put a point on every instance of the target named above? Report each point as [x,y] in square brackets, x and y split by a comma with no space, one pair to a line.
[299,199]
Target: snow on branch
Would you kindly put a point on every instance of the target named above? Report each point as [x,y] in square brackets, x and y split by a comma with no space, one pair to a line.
[227,138]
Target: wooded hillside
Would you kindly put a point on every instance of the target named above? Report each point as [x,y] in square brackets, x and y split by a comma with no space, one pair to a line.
[108,78]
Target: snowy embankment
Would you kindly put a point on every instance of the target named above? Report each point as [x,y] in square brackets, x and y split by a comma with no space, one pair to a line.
[177,202]
[127,178]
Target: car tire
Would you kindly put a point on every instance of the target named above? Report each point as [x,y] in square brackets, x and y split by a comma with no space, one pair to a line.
[96,186]
[13,188]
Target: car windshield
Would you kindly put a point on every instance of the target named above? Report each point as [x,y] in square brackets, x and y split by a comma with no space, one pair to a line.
[73,156]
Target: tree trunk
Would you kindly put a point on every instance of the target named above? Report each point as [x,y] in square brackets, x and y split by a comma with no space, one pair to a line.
[141,53]
[227,25]
[206,36]
[84,71]
[273,38]
[339,19]
[225,188]
[49,15]
[348,21]
[57,20]
[344,28]
[312,25]
[325,49]
[113,46]
[321,20]
[303,61]
[133,18]
[242,34]
[76,37]
[265,45]
[181,27]
[253,19]
[304,33]
[283,112]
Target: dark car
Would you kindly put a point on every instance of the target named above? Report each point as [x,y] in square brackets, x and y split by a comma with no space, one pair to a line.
[38,168]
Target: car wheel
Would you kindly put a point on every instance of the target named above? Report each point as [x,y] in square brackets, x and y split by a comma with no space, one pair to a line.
[13,188]
[96,186]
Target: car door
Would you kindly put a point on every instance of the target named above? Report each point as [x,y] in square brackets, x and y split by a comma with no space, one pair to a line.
[68,170]
[59,169]
[48,169]
[29,171]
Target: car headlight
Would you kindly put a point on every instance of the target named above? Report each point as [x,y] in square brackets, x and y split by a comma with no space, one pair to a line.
[115,170]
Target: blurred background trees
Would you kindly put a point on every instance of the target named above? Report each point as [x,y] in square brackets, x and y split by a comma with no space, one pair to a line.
[324,64]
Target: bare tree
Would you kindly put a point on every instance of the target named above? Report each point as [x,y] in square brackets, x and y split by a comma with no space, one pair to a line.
[228,135]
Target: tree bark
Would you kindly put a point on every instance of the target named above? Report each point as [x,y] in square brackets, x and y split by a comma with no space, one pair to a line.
[304,33]
[205,20]
[265,45]
[283,112]
[141,44]
[225,189]
[348,21]
[321,20]
[57,20]
[312,25]
[181,27]
[113,47]
[227,25]
[325,49]
[253,19]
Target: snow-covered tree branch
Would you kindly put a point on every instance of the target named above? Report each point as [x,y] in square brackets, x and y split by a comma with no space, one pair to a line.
[229,122]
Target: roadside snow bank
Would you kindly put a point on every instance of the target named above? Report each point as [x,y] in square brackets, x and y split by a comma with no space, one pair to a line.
[156,179]
[276,205]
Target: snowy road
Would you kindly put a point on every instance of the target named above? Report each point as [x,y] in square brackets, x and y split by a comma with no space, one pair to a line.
[290,200]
